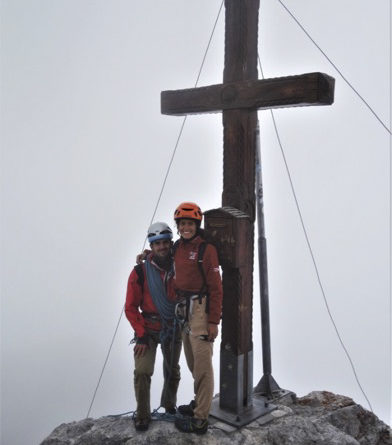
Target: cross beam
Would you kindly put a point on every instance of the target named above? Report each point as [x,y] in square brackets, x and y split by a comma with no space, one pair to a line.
[239,98]
[280,92]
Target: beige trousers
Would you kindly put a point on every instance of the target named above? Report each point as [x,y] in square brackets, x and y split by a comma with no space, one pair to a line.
[198,354]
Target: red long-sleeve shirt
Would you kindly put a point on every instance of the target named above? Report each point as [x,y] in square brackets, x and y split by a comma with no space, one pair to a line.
[189,278]
[139,300]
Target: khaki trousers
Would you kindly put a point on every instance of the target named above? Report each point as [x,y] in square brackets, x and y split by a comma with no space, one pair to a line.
[144,369]
[198,354]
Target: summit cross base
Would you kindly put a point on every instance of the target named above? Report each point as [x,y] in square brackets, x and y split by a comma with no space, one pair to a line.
[260,407]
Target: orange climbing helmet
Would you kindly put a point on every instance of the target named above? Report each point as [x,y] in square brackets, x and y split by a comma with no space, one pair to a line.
[188,210]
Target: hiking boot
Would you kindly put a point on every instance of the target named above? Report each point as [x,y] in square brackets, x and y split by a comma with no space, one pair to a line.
[187,410]
[141,424]
[192,425]
[171,410]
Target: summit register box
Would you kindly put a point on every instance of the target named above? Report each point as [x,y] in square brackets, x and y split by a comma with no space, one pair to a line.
[229,230]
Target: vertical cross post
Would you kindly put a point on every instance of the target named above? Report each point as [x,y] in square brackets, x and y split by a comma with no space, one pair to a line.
[239,127]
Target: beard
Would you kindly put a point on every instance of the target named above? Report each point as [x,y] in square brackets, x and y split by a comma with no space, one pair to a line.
[164,262]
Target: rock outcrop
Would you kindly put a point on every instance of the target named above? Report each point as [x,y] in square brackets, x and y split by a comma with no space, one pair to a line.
[320,418]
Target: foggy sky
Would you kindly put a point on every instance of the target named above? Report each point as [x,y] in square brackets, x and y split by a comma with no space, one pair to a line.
[84,154]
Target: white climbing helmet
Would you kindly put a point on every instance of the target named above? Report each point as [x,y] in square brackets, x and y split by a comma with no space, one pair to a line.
[159,230]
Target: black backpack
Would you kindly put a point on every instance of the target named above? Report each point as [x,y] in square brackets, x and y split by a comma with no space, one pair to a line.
[140,274]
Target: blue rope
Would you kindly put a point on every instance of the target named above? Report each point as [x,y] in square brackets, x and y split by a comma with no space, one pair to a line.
[155,415]
[159,296]
[167,417]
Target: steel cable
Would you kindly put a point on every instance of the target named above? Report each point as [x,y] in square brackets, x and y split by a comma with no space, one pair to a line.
[335,67]
[390,211]
[311,252]
[158,200]
[185,118]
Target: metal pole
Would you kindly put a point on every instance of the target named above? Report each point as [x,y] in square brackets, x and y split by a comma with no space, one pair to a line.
[267,384]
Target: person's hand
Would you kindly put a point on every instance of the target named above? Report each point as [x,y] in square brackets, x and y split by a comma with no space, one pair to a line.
[142,256]
[141,346]
[140,350]
[212,331]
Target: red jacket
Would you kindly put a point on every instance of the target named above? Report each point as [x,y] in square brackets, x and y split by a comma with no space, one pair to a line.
[139,300]
[188,277]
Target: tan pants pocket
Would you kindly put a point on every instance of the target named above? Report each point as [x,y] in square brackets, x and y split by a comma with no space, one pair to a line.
[199,318]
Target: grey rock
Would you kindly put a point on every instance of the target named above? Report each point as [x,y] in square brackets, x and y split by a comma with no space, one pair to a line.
[320,418]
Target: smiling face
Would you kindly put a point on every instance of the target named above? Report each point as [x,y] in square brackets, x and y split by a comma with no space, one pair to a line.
[161,248]
[187,228]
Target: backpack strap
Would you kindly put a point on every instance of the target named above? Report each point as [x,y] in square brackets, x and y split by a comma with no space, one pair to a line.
[200,256]
[140,274]
[204,288]
[175,247]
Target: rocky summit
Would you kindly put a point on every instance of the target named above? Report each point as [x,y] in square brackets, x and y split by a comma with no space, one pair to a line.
[320,418]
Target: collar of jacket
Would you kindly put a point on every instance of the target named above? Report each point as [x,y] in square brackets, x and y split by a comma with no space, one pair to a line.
[193,241]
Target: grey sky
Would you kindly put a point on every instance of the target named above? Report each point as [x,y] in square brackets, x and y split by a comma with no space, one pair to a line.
[84,152]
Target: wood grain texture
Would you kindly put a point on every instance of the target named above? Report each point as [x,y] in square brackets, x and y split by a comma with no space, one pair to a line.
[281,92]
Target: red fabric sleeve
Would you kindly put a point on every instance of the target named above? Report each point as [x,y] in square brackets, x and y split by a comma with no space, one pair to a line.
[133,302]
[170,289]
[214,283]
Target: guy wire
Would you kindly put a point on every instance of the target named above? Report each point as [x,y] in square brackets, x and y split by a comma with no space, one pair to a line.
[311,252]
[390,214]
[336,68]
[184,120]
[156,206]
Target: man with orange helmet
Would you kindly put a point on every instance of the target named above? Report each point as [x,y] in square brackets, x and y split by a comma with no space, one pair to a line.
[198,285]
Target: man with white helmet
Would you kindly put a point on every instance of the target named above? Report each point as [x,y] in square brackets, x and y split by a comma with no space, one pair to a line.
[150,309]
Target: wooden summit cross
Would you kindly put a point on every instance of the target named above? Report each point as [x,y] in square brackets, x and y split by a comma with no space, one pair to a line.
[239,98]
